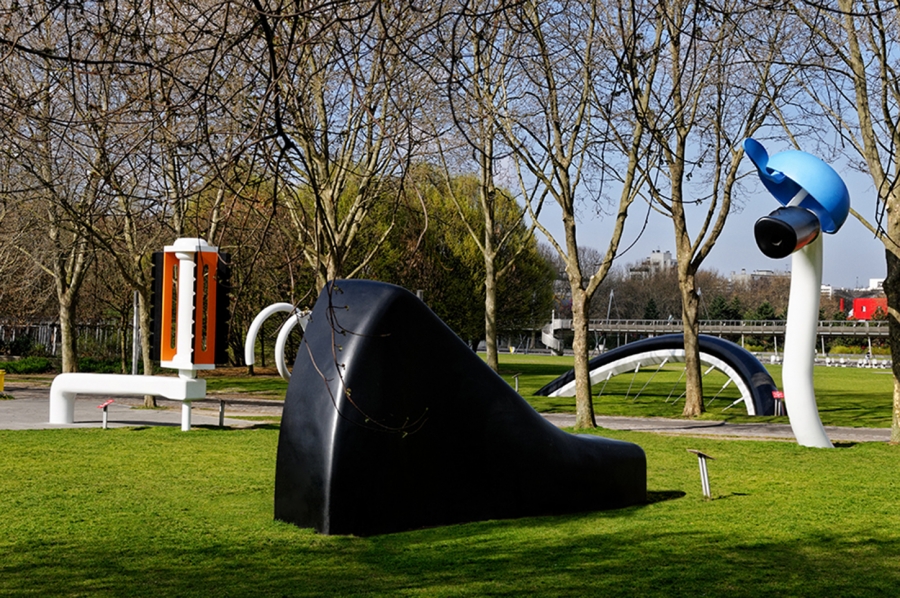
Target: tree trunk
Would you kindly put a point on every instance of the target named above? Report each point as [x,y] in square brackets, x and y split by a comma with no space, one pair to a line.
[123,343]
[690,307]
[892,290]
[490,311]
[68,334]
[146,355]
[329,268]
[584,405]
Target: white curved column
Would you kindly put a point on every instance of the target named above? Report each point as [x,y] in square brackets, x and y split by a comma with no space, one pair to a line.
[250,343]
[800,346]
[295,318]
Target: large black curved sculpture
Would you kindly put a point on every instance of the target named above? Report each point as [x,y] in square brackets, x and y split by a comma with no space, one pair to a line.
[757,382]
[392,423]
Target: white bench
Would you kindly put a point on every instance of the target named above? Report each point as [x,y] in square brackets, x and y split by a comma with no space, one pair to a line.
[66,387]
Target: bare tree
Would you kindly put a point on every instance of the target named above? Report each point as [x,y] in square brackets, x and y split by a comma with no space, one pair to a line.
[56,188]
[170,166]
[851,74]
[713,71]
[340,94]
[556,113]
[145,90]
[476,49]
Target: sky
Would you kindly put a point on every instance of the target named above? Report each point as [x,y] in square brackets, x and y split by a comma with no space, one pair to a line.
[851,256]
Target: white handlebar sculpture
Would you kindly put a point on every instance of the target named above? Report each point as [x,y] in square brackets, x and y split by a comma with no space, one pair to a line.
[296,317]
[189,281]
[815,200]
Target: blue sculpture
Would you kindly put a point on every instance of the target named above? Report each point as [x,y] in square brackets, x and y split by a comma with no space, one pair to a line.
[815,200]
[787,174]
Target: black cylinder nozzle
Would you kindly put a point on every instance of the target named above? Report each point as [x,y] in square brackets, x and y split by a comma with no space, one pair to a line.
[786,230]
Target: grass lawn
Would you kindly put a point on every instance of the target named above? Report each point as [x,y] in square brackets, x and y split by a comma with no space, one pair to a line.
[158,512]
[265,383]
[268,387]
[846,396]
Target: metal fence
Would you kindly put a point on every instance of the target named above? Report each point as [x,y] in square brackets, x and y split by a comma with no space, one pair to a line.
[101,339]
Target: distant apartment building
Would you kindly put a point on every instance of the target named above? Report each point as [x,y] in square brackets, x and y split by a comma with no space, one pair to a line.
[743,277]
[659,261]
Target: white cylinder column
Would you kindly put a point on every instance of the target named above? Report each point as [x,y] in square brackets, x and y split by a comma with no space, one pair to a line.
[800,346]
[186,416]
[187,280]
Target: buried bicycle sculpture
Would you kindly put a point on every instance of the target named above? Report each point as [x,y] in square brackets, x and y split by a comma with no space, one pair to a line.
[756,389]
[392,423]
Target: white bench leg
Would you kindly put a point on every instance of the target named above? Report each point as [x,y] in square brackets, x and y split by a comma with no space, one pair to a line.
[185,416]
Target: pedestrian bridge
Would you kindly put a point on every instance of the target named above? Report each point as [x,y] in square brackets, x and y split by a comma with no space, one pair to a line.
[860,328]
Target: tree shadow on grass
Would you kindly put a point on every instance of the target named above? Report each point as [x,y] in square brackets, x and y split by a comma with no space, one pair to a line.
[549,556]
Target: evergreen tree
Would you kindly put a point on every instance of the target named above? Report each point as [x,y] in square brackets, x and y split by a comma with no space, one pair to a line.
[718,308]
[735,309]
[651,312]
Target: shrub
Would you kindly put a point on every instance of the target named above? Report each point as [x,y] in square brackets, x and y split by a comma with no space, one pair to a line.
[28,365]
[100,366]
[845,350]
[22,345]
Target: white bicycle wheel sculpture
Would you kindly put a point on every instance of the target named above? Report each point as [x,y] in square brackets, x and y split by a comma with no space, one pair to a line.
[295,317]
[755,386]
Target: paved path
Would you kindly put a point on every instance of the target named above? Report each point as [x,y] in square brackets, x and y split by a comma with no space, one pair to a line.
[720,428]
[31,410]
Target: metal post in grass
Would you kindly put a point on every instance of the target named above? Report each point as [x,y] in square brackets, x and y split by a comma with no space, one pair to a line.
[704,474]
[105,408]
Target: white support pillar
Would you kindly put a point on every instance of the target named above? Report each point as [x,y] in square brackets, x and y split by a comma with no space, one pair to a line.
[800,346]
[186,416]
[184,338]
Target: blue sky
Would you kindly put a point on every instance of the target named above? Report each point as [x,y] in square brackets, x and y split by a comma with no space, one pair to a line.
[852,256]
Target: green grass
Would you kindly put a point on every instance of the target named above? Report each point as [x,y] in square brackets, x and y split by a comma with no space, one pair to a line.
[846,396]
[269,387]
[158,512]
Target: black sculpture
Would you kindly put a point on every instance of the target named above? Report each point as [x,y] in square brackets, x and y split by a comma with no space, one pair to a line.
[392,423]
